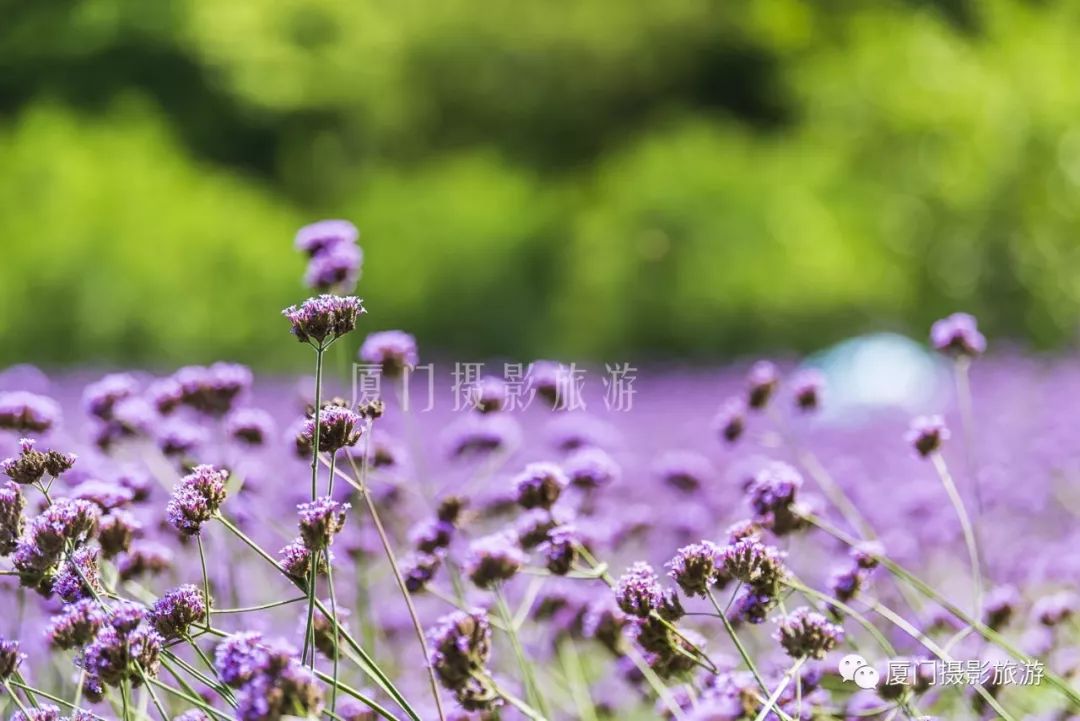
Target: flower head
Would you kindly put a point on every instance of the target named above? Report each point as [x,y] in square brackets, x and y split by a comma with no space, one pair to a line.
[78,576]
[493,559]
[116,530]
[958,335]
[339,428]
[325,234]
[697,568]
[394,351]
[100,398]
[324,318]
[460,649]
[250,426]
[211,390]
[927,434]
[761,383]
[540,485]
[75,625]
[12,522]
[730,420]
[561,549]
[638,591]
[759,566]
[31,465]
[335,269]
[27,412]
[591,468]
[772,495]
[179,609]
[10,658]
[196,498]
[807,634]
[807,387]
[320,521]
[125,649]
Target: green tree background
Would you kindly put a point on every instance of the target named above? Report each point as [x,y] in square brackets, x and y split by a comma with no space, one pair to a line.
[582,178]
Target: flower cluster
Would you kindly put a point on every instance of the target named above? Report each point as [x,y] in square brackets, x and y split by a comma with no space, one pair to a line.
[269,678]
[31,465]
[460,650]
[323,319]
[125,649]
[393,351]
[334,258]
[196,498]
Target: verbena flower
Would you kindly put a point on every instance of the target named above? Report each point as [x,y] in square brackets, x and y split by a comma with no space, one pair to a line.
[488,395]
[807,387]
[1000,605]
[927,434]
[66,523]
[196,498]
[324,318]
[270,678]
[591,468]
[12,521]
[479,435]
[493,559]
[1056,608]
[126,648]
[394,351]
[177,611]
[78,577]
[116,530]
[807,634]
[211,390]
[419,569]
[27,412]
[759,566]
[10,658]
[761,383]
[772,495]
[75,625]
[685,471]
[336,268]
[958,335]
[106,495]
[561,549]
[730,420]
[100,398]
[550,381]
[460,646]
[338,428]
[638,591]
[320,521]
[144,557]
[697,568]
[250,426]
[317,237]
[295,559]
[432,535]
[539,485]
[31,465]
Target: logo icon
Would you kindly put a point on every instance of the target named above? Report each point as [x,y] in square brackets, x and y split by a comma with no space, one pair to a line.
[854,667]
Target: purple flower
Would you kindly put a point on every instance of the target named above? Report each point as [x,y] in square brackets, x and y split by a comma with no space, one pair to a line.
[320,521]
[958,335]
[591,468]
[12,522]
[27,412]
[325,234]
[75,625]
[46,712]
[324,319]
[540,485]
[730,420]
[338,428]
[418,569]
[78,577]
[759,566]
[65,523]
[126,649]
[686,471]
[697,568]
[180,439]
[488,395]
[638,591]
[196,498]
[144,557]
[807,387]
[100,398]
[250,426]
[807,634]
[478,435]
[177,611]
[31,465]
[104,494]
[999,606]
[432,536]
[927,434]
[846,583]
[1056,608]
[116,531]
[550,381]
[271,681]
[211,390]
[295,559]
[239,657]
[392,350]
[10,658]
[460,649]
[336,268]
[772,495]
[761,383]
[493,559]
[561,548]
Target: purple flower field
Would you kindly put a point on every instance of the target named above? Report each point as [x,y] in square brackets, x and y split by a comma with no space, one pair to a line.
[755,543]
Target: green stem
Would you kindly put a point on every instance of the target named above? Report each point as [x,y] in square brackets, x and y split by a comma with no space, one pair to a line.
[263,607]
[384,539]
[763,714]
[532,688]
[336,631]
[205,577]
[7,687]
[738,644]
[965,525]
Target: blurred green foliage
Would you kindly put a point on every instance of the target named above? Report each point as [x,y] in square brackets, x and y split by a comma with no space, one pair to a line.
[585,178]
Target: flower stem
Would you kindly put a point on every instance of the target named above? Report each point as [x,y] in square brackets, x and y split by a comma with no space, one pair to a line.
[384,539]
[336,631]
[965,525]
[764,713]
[738,644]
[532,688]
[205,577]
